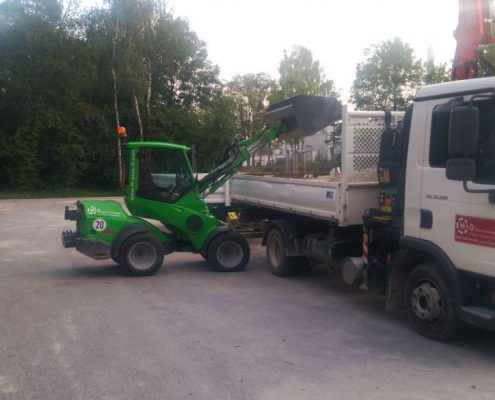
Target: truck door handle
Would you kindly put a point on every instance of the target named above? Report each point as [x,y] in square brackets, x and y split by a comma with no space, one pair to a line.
[426,220]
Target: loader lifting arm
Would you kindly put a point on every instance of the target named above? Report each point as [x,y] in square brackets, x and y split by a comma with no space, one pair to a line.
[235,155]
[296,117]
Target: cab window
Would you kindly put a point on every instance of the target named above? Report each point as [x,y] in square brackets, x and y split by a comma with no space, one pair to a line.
[484,157]
[164,174]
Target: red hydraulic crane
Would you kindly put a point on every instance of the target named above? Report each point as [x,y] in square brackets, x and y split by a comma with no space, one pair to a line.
[473,35]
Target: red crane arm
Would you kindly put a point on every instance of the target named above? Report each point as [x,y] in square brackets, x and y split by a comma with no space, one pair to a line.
[474,31]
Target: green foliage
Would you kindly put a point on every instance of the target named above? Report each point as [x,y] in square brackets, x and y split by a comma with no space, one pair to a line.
[19,157]
[300,74]
[250,94]
[388,78]
[56,89]
[219,128]
[435,73]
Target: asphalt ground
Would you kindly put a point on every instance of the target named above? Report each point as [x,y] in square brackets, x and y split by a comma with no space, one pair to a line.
[74,328]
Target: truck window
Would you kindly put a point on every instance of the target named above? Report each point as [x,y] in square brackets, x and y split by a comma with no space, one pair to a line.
[485,156]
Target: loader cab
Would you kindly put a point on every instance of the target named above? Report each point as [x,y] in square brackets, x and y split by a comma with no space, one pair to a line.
[159,175]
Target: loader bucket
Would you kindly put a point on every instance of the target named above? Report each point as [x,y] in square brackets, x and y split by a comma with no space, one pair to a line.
[305,115]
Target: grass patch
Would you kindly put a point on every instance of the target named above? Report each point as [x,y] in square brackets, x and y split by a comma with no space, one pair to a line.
[58,193]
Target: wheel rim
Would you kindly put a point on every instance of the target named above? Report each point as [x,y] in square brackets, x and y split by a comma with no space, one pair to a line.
[229,254]
[426,301]
[274,251]
[142,255]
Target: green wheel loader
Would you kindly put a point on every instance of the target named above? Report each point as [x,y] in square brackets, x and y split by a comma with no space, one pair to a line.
[166,203]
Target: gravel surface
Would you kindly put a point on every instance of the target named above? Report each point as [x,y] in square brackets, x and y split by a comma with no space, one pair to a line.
[74,328]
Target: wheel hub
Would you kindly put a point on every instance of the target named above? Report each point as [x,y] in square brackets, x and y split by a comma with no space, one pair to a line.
[229,254]
[426,301]
[142,255]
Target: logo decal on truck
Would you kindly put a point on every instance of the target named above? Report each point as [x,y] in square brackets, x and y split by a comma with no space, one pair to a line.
[473,230]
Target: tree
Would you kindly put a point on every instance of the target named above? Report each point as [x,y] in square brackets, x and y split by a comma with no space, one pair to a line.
[435,73]
[250,94]
[218,130]
[300,74]
[42,74]
[388,78]
[57,89]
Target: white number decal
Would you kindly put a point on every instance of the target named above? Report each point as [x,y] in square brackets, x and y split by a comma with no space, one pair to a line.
[99,224]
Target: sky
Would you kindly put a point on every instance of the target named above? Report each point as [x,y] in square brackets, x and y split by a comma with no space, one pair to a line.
[249,36]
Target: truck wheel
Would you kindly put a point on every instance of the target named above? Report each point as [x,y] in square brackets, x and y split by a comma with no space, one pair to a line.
[280,264]
[430,303]
[228,252]
[141,255]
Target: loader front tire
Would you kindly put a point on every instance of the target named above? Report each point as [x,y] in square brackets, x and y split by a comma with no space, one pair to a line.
[228,252]
[141,255]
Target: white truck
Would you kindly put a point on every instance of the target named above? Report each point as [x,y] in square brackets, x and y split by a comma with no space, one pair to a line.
[423,231]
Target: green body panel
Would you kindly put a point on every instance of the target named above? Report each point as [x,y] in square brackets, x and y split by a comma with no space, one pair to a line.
[111,218]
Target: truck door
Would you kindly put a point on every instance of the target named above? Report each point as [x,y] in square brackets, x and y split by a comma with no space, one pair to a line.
[462,224]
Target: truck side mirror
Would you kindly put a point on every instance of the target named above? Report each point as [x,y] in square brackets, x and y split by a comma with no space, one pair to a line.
[463,143]
[464,131]
[461,169]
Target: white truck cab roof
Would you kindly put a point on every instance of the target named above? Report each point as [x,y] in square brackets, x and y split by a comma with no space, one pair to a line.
[456,88]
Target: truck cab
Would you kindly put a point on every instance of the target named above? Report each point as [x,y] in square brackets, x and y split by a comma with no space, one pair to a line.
[449,207]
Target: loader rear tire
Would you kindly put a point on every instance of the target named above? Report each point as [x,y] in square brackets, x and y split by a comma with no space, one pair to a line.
[141,255]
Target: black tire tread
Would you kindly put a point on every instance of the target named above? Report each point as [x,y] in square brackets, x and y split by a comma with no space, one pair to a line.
[289,266]
[216,242]
[128,269]
[448,327]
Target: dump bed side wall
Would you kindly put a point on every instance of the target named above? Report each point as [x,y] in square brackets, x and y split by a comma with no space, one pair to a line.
[310,198]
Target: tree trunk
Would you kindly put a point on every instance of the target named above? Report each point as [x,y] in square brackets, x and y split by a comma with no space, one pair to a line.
[117,125]
[116,109]
[138,116]
[148,100]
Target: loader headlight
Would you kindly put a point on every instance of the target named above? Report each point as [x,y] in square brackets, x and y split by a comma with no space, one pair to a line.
[71,212]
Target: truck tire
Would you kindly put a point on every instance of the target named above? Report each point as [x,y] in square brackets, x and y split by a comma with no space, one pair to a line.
[141,255]
[280,264]
[228,252]
[430,304]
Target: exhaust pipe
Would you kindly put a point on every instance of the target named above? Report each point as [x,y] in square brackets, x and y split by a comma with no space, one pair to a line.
[305,115]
